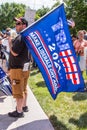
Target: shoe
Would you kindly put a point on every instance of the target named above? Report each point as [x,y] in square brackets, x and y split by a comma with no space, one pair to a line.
[16,114]
[25,109]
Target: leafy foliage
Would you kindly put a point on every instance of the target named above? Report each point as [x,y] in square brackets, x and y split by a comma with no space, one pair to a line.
[77,9]
[8,12]
[41,12]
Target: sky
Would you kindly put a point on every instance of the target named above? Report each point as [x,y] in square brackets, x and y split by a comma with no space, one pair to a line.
[34,4]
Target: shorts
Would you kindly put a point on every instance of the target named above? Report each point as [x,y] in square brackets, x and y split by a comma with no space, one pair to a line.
[19,80]
[82,63]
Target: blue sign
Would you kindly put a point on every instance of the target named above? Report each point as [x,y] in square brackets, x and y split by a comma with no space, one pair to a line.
[50,44]
[5,85]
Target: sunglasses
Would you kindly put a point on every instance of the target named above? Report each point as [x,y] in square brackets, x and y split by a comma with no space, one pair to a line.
[18,23]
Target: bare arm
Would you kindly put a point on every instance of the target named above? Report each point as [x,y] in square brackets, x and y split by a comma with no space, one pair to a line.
[10,46]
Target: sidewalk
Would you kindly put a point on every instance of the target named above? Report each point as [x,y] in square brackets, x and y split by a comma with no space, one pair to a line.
[35,119]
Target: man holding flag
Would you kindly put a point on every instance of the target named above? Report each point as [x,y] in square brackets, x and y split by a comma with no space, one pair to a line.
[19,69]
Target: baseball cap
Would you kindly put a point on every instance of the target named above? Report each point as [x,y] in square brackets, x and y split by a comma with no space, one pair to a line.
[21,19]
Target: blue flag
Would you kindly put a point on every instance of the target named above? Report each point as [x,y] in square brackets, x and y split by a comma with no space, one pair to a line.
[50,44]
[5,85]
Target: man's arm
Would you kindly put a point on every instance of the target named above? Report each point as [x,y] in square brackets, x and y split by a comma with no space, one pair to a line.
[13,53]
[10,46]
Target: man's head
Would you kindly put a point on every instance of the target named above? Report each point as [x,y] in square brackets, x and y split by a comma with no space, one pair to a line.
[21,23]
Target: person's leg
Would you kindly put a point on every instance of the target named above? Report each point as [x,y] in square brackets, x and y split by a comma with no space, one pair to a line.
[19,102]
[19,111]
[25,100]
[26,76]
[17,91]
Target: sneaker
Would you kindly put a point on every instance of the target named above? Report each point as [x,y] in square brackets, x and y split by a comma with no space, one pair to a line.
[16,114]
[25,109]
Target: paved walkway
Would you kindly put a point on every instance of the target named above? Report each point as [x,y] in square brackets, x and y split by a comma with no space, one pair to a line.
[35,119]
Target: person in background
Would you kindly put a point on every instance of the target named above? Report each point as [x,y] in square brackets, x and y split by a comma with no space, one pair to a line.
[73,38]
[1,35]
[5,47]
[79,45]
[85,34]
[19,69]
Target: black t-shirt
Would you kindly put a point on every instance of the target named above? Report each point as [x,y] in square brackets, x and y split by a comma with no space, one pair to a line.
[20,48]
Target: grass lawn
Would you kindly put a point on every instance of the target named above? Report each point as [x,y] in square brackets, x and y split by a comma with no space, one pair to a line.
[67,112]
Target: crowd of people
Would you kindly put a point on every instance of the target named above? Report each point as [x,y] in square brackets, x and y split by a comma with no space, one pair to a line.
[4,47]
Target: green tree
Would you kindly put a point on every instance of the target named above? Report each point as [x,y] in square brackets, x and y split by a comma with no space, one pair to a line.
[77,10]
[41,12]
[8,12]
